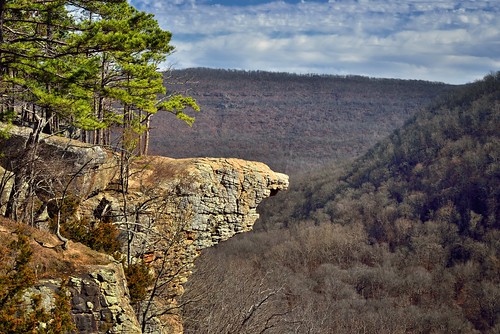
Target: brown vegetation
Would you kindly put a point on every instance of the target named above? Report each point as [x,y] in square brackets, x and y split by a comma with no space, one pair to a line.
[21,310]
[48,259]
[405,240]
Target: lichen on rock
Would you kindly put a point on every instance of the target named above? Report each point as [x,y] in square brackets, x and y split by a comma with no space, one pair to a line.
[100,301]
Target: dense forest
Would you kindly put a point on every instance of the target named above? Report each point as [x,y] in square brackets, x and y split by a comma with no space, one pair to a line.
[404,240]
[291,122]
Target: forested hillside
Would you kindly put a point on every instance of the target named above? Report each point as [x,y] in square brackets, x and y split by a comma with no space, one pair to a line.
[291,122]
[405,240]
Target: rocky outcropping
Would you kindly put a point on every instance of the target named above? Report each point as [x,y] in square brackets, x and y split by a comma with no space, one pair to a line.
[99,300]
[60,162]
[214,198]
[168,212]
[176,207]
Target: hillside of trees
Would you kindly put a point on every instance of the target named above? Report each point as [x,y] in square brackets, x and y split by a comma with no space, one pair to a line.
[404,240]
[291,122]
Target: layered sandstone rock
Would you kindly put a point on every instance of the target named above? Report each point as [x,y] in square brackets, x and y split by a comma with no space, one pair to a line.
[61,162]
[176,207]
[99,300]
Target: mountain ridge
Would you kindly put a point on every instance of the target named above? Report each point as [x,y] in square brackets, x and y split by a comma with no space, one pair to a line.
[290,122]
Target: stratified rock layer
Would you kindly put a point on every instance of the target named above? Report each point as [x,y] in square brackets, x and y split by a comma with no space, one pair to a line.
[99,300]
[220,196]
[176,207]
[60,162]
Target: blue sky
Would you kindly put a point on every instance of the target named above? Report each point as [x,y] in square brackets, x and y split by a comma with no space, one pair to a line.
[438,40]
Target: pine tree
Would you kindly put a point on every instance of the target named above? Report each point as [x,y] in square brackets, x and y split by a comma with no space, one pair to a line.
[83,64]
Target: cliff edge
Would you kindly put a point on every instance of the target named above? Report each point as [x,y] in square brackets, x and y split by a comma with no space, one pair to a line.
[165,211]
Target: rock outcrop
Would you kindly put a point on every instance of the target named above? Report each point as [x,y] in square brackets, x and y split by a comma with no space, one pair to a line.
[215,198]
[99,300]
[176,207]
[85,169]
[170,210]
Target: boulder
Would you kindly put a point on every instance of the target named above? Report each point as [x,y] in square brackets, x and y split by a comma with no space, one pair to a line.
[60,163]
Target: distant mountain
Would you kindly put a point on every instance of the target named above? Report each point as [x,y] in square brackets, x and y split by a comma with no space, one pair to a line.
[291,122]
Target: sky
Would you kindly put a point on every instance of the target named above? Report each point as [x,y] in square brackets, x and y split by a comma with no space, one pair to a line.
[437,40]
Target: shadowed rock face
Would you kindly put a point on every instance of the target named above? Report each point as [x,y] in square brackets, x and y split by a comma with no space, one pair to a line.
[173,209]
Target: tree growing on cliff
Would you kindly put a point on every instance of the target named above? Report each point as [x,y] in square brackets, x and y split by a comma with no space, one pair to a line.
[72,62]
[165,259]
[127,89]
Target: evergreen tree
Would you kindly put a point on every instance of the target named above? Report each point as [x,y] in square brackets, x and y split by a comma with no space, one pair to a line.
[82,64]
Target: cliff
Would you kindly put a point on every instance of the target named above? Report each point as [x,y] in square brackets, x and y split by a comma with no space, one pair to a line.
[170,211]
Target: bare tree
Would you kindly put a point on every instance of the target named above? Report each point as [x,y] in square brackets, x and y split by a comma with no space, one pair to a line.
[234,296]
[23,167]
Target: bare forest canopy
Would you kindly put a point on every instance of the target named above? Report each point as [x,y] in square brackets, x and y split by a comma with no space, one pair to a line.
[404,240]
[291,122]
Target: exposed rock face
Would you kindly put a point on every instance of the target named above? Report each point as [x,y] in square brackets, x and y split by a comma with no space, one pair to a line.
[172,209]
[219,195]
[176,207]
[100,302]
[86,169]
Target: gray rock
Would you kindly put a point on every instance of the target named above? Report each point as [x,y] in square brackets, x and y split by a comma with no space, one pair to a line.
[87,168]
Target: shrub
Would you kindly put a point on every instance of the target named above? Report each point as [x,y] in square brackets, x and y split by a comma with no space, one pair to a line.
[139,279]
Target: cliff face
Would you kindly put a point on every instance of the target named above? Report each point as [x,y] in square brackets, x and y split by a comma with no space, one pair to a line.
[175,208]
[99,299]
[215,198]
[59,162]
[170,211]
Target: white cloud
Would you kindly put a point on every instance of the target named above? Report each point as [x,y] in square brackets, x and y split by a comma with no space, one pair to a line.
[451,41]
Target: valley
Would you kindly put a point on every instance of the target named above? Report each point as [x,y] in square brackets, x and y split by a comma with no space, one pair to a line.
[401,239]
[293,123]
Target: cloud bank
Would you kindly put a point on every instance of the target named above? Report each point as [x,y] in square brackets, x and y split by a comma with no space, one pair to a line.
[442,40]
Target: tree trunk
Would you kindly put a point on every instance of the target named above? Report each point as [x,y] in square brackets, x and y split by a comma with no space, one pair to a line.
[58,231]
[2,10]
[145,150]
[23,169]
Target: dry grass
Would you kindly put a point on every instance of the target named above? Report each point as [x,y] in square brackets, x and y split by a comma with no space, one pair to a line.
[151,170]
[49,259]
